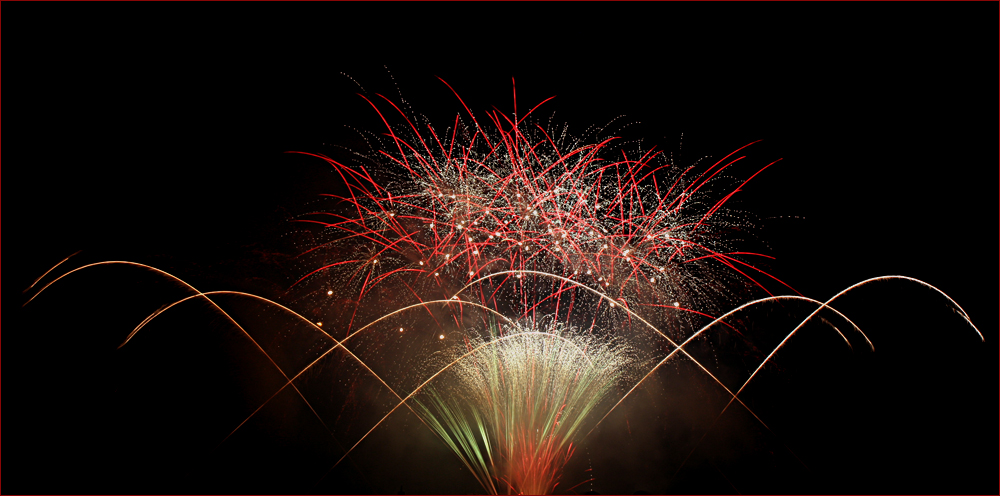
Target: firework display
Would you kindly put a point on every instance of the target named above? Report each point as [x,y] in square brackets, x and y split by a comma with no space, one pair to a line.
[535,224]
[510,284]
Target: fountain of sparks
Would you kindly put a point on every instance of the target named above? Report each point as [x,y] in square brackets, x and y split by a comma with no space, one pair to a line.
[514,407]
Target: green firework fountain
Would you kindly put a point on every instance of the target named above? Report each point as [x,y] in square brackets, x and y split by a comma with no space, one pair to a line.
[512,407]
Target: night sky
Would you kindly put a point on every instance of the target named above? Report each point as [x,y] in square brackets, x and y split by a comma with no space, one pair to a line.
[156,133]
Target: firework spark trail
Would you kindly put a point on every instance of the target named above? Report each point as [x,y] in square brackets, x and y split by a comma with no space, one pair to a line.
[825,304]
[964,315]
[47,273]
[721,319]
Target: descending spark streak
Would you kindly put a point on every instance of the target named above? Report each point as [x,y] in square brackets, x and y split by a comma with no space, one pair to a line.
[50,270]
[108,262]
[964,315]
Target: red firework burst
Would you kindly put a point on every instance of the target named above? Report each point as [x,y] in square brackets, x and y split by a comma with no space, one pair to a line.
[525,215]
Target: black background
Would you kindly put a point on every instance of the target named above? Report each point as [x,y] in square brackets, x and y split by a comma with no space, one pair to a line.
[155,133]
